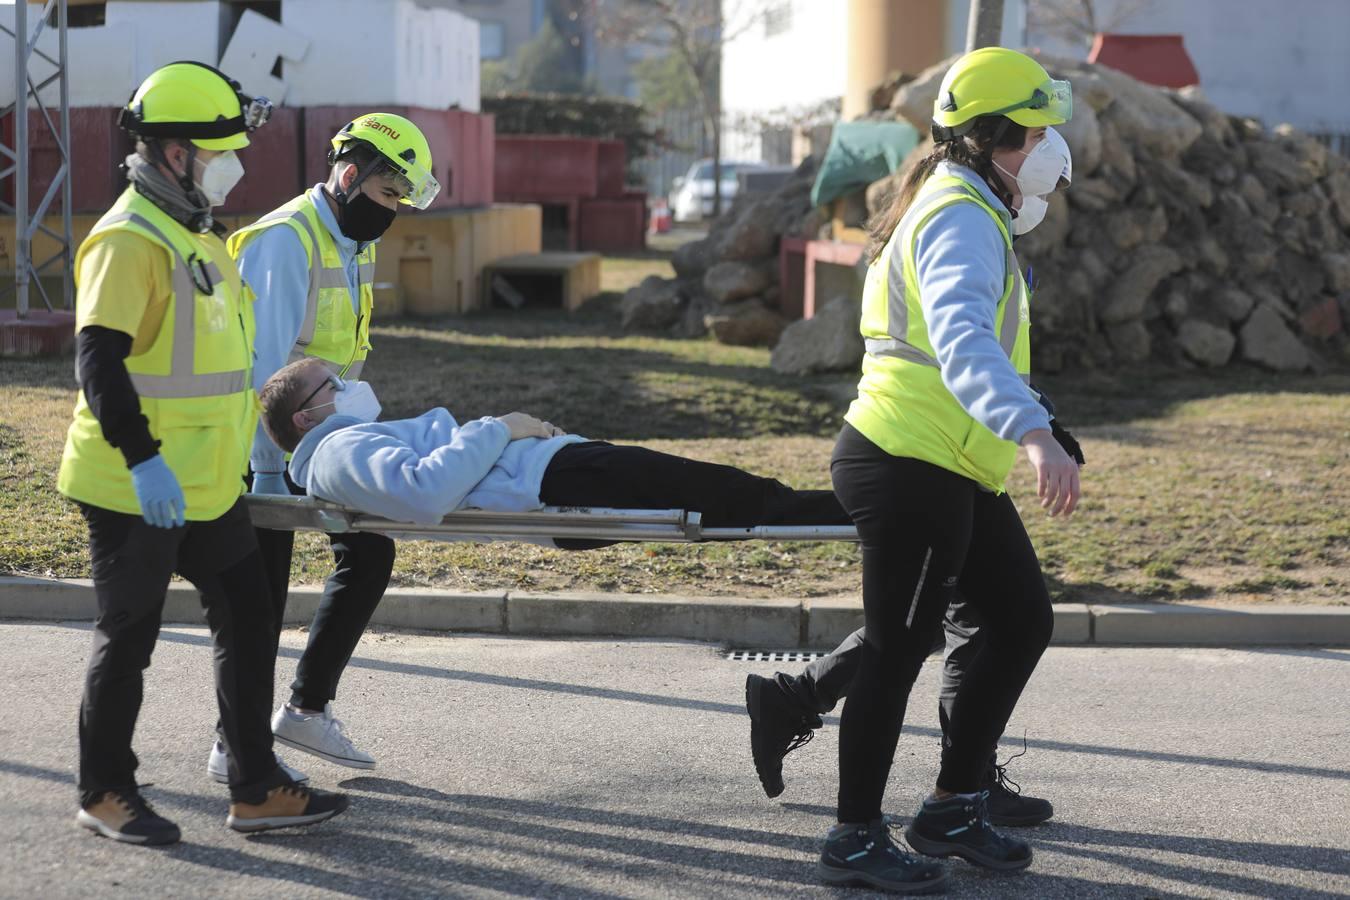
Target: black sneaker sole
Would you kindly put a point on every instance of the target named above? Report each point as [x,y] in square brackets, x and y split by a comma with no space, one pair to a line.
[752,707]
[1021,821]
[831,875]
[930,847]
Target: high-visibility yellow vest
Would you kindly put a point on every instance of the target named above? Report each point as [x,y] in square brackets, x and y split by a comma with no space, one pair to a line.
[331,330]
[194,380]
[902,405]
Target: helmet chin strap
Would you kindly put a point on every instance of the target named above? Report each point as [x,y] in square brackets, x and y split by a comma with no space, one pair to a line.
[202,222]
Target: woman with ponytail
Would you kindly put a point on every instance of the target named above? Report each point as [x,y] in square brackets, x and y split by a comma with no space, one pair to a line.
[920,465]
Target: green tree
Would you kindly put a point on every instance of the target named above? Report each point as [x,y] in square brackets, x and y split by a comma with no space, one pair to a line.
[546,64]
[665,82]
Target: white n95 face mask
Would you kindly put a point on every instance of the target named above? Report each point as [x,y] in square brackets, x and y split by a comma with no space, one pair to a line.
[1030,214]
[357,400]
[219,176]
[1044,166]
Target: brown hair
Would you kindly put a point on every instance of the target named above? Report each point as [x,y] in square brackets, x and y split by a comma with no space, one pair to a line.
[279,396]
[973,150]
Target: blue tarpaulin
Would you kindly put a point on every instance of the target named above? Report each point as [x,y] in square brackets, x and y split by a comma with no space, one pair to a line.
[861,153]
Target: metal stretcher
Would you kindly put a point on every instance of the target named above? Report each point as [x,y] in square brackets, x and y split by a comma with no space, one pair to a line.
[576,522]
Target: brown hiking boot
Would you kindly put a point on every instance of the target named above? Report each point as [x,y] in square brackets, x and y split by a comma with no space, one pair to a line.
[125,816]
[286,806]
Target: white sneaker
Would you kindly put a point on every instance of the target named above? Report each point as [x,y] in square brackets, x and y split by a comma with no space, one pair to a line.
[218,766]
[319,734]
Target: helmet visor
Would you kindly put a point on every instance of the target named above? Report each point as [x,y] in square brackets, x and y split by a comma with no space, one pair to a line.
[420,187]
[1053,99]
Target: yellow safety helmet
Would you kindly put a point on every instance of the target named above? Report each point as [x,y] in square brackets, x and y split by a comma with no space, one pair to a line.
[194,101]
[402,148]
[996,81]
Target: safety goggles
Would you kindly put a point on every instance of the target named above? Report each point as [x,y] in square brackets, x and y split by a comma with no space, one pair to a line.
[337,383]
[418,185]
[1054,97]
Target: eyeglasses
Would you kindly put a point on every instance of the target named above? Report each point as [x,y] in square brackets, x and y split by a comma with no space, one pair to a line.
[337,383]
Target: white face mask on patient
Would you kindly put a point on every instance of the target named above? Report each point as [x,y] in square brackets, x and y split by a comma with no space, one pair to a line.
[357,399]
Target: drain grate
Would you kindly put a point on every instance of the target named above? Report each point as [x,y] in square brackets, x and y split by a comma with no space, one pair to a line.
[776,656]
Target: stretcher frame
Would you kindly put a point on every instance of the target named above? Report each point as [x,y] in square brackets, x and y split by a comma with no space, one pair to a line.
[667,526]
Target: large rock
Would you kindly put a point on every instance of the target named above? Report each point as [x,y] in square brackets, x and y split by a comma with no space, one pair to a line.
[1337,269]
[1207,344]
[751,236]
[1146,117]
[914,101]
[1130,293]
[1084,136]
[827,342]
[1338,189]
[730,281]
[1267,341]
[1215,121]
[1136,225]
[691,260]
[1130,341]
[654,305]
[1230,303]
[746,324]
[1321,319]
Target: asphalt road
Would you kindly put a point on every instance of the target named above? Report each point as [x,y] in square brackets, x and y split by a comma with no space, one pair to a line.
[597,768]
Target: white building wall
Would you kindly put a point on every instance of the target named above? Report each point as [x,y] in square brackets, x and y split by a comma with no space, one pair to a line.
[1277,60]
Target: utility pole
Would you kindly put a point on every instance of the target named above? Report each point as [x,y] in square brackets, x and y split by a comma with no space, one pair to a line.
[985,26]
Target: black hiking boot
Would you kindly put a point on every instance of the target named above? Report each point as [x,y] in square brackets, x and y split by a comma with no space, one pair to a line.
[866,855]
[959,826]
[1007,805]
[777,727]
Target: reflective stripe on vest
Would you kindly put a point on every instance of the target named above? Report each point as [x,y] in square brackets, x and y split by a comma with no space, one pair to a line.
[182,380]
[321,277]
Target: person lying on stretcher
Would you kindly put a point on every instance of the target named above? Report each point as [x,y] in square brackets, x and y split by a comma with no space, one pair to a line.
[421,469]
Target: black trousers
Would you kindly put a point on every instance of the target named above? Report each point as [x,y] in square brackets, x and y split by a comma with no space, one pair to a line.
[825,682]
[926,534]
[362,564]
[597,473]
[132,563]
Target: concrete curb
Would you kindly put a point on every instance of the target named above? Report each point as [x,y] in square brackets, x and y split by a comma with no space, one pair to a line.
[775,623]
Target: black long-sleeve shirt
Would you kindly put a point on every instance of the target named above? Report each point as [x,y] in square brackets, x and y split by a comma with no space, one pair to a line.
[103,377]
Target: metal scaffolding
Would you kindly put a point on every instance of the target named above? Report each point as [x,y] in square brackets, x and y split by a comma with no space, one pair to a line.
[14,162]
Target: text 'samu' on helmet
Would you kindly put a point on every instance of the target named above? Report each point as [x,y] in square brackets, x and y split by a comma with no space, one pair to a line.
[193,101]
[996,81]
[404,150]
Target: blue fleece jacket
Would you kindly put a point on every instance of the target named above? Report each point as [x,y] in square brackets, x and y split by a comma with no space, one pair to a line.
[274,265]
[418,470]
[960,263]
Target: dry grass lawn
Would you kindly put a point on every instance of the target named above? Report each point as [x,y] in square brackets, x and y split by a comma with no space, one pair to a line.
[1199,486]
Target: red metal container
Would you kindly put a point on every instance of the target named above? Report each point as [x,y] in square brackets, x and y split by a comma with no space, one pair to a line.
[549,168]
[97,148]
[613,225]
[274,166]
[487,156]
[612,175]
[1159,59]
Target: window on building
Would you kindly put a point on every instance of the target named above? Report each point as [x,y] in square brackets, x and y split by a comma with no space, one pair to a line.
[777,18]
[491,40]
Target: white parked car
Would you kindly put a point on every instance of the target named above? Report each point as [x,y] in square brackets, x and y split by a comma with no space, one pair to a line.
[692,192]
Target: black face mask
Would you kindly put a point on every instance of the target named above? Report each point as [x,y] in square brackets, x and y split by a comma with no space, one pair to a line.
[361,218]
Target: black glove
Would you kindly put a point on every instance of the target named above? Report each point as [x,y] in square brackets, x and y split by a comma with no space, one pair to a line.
[1061,434]
[1067,441]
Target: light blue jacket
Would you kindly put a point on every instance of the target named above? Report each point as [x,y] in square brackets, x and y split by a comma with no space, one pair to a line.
[960,260]
[418,470]
[274,265]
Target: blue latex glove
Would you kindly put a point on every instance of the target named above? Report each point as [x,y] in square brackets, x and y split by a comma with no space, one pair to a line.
[270,483]
[158,492]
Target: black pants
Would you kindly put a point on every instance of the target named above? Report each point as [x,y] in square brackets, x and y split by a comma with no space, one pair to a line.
[825,682]
[927,533]
[597,473]
[132,563]
[362,564]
